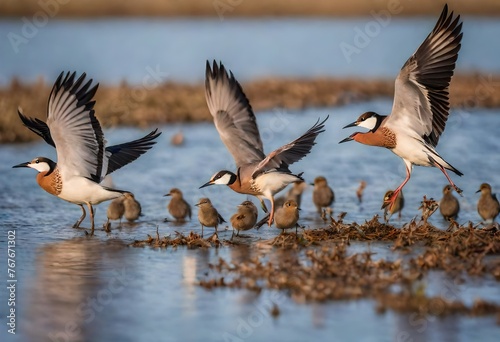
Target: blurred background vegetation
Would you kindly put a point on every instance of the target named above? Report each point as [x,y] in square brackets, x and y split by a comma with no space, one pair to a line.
[242,8]
[182,101]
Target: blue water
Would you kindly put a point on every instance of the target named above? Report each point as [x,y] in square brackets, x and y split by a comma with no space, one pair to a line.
[79,289]
[145,51]
[73,288]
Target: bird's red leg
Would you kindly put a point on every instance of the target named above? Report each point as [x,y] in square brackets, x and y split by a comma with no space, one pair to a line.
[392,200]
[443,170]
[271,214]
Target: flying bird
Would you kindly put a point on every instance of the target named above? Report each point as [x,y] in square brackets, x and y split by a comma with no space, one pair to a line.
[421,106]
[83,160]
[257,174]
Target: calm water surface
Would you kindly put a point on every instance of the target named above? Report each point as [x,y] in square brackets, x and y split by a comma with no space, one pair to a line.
[145,51]
[73,288]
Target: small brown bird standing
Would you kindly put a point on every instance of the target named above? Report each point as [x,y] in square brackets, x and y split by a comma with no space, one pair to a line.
[398,206]
[323,196]
[208,215]
[178,207]
[132,207]
[287,216]
[449,206]
[487,206]
[245,218]
[115,211]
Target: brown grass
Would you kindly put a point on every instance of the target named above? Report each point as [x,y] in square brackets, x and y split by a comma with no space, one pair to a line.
[177,102]
[329,272]
[245,8]
[192,240]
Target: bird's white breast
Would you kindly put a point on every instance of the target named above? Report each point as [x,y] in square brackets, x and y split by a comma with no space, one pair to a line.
[273,182]
[80,190]
[411,149]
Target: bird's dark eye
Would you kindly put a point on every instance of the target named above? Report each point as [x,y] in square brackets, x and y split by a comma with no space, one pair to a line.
[37,161]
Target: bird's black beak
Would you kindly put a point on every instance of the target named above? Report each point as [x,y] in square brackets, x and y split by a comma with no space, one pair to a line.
[166,195]
[476,191]
[349,138]
[311,184]
[21,165]
[206,184]
[355,123]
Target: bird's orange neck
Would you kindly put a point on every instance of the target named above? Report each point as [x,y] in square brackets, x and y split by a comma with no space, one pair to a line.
[50,181]
[243,188]
[382,137]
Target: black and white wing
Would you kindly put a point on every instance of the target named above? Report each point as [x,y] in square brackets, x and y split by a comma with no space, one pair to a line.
[74,128]
[421,90]
[292,152]
[233,115]
[117,156]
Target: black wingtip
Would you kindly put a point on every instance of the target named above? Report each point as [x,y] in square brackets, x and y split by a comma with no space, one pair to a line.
[449,21]
[208,70]
[318,127]
[81,91]
[217,71]
[123,154]
[37,126]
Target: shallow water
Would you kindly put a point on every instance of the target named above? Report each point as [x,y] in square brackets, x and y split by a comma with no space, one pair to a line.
[97,289]
[145,51]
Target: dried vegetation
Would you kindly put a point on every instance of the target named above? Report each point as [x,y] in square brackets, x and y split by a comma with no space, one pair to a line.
[176,102]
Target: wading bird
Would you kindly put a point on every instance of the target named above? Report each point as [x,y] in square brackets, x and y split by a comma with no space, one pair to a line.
[208,215]
[487,206]
[323,195]
[287,216]
[178,207]
[83,160]
[245,218]
[449,205]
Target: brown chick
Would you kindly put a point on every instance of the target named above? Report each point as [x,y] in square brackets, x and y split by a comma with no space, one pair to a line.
[449,206]
[132,207]
[487,206]
[287,216]
[178,207]
[323,196]
[208,215]
[245,218]
[115,211]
